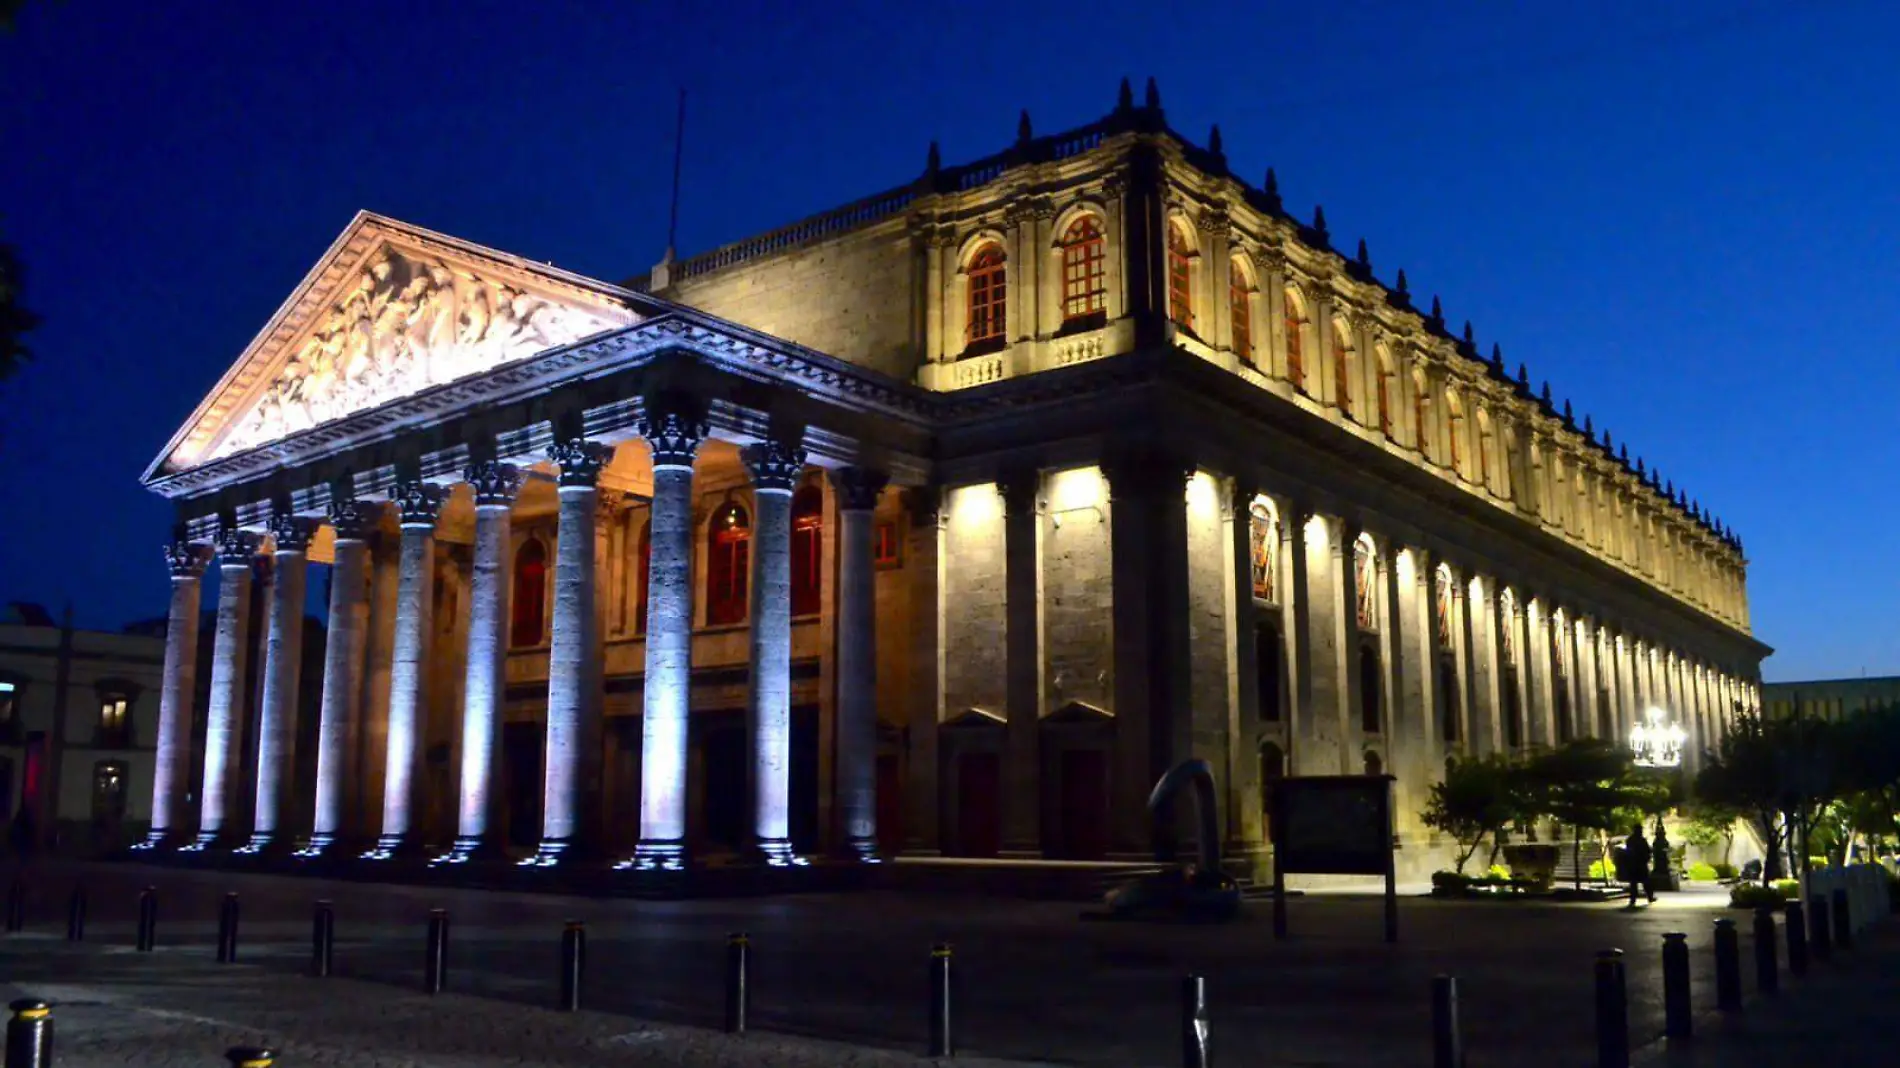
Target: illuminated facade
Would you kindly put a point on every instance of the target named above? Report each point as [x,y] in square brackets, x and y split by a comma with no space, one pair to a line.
[939,523]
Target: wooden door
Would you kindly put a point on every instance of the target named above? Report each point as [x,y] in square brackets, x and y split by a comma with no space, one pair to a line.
[979,804]
[1084,804]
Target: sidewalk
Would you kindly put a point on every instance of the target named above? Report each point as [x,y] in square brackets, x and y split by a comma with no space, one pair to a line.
[1841,1012]
[174,1009]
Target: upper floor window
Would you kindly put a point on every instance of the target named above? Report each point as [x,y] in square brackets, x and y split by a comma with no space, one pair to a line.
[1454,429]
[728,558]
[115,720]
[808,540]
[1240,310]
[1180,278]
[1388,381]
[530,612]
[886,550]
[1484,447]
[989,296]
[1295,343]
[1421,414]
[1442,596]
[1342,366]
[1084,270]
[1365,577]
[110,784]
[1265,542]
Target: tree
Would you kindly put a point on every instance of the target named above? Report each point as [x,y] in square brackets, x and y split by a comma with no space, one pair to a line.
[1711,825]
[1589,784]
[1479,797]
[1778,773]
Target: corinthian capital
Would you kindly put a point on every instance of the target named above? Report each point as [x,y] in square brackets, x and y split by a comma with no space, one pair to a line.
[774,464]
[235,546]
[290,531]
[494,482]
[858,487]
[185,559]
[418,503]
[673,427]
[353,519]
[580,461]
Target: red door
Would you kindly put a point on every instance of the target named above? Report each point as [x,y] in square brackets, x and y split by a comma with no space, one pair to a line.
[890,805]
[979,808]
[1085,804]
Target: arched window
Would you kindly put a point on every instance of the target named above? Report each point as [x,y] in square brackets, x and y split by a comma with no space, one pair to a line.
[1448,698]
[1343,364]
[1454,429]
[1265,537]
[530,611]
[728,559]
[808,543]
[1421,414]
[1372,763]
[1295,324]
[1369,702]
[645,573]
[1484,447]
[1084,278]
[1388,381]
[1272,767]
[1513,712]
[1180,278]
[1560,675]
[1365,577]
[1441,595]
[1240,309]
[989,296]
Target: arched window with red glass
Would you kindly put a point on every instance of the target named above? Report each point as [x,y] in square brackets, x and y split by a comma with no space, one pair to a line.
[528,622]
[1240,310]
[1295,343]
[728,565]
[1180,277]
[808,550]
[989,296]
[1084,270]
[644,572]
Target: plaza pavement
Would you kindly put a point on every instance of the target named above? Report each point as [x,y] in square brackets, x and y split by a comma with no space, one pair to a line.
[1035,983]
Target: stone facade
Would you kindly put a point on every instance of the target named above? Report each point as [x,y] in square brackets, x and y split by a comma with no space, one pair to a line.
[1104,462]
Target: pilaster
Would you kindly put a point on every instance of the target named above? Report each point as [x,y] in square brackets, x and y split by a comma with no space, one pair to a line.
[1023,698]
[858,492]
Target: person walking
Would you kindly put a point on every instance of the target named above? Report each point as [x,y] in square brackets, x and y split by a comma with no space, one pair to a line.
[1636,857]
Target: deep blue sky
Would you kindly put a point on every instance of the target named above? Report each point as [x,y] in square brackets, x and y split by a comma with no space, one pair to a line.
[1683,215]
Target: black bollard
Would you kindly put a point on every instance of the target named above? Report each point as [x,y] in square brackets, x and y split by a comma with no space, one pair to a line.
[1797,938]
[1613,1018]
[1728,966]
[1194,1022]
[228,929]
[16,906]
[940,1039]
[250,1057]
[76,916]
[435,969]
[1767,969]
[1843,920]
[322,938]
[738,982]
[1820,935]
[1677,1022]
[573,964]
[1448,1046]
[30,1034]
[148,919]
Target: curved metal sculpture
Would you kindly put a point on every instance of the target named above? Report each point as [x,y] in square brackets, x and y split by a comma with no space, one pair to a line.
[1194,890]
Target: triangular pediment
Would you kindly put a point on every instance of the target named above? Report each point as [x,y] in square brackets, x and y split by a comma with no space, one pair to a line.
[389,311]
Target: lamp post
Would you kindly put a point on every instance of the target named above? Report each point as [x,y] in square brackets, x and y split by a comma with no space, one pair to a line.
[1656,741]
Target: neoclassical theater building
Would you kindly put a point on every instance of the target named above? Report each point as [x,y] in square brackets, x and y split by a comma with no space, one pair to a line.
[940,523]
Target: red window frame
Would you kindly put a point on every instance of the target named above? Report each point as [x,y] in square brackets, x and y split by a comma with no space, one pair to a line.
[728,565]
[1385,401]
[1180,279]
[1240,311]
[886,549]
[989,296]
[808,550]
[1084,270]
[1342,368]
[529,612]
[1295,351]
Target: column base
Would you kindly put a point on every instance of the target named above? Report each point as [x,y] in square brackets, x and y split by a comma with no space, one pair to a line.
[777,853]
[393,847]
[656,855]
[470,849]
[559,853]
[862,851]
[315,846]
[204,843]
[155,839]
[262,843]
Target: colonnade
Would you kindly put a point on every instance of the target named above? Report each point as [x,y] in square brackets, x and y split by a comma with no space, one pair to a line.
[572,806]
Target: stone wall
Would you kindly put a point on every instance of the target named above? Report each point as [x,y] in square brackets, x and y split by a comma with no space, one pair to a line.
[974,667]
[1077,598]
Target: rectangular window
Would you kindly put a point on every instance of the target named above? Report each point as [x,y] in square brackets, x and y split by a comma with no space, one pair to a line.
[887,551]
[9,702]
[115,726]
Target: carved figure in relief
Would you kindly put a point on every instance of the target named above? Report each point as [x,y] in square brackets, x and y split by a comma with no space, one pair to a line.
[402,325]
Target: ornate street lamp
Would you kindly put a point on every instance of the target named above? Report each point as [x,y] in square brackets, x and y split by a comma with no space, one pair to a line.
[1656,742]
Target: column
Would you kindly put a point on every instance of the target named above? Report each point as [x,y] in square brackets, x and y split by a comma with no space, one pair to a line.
[1326,606]
[186,561]
[926,669]
[1022,642]
[574,694]
[1244,823]
[229,654]
[1299,627]
[283,671]
[1540,705]
[1484,649]
[418,504]
[673,429]
[344,648]
[495,485]
[774,465]
[858,489]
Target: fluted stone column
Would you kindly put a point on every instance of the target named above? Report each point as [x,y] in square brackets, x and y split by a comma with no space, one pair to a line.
[495,485]
[186,561]
[774,466]
[574,697]
[345,645]
[858,490]
[673,429]
[283,669]
[418,504]
[229,655]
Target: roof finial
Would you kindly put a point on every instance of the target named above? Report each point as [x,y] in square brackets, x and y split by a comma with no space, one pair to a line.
[1624,454]
[1319,222]
[1022,126]
[1125,100]
[1213,140]
[1153,95]
[933,162]
[1524,379]
[1400,287]
[1471,341]
[1569,419]
[1606,438]
[1546,395]
[1497,359]
[1272,192]
[1640,473]
[1589,430]
[1365,258]
[1438,312]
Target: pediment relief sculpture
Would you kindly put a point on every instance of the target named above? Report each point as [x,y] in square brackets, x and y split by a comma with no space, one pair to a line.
[402,324]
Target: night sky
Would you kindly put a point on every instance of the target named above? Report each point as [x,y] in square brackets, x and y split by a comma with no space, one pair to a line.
[1682,215]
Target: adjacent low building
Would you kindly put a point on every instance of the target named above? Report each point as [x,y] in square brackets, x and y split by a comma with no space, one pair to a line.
[940,523]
